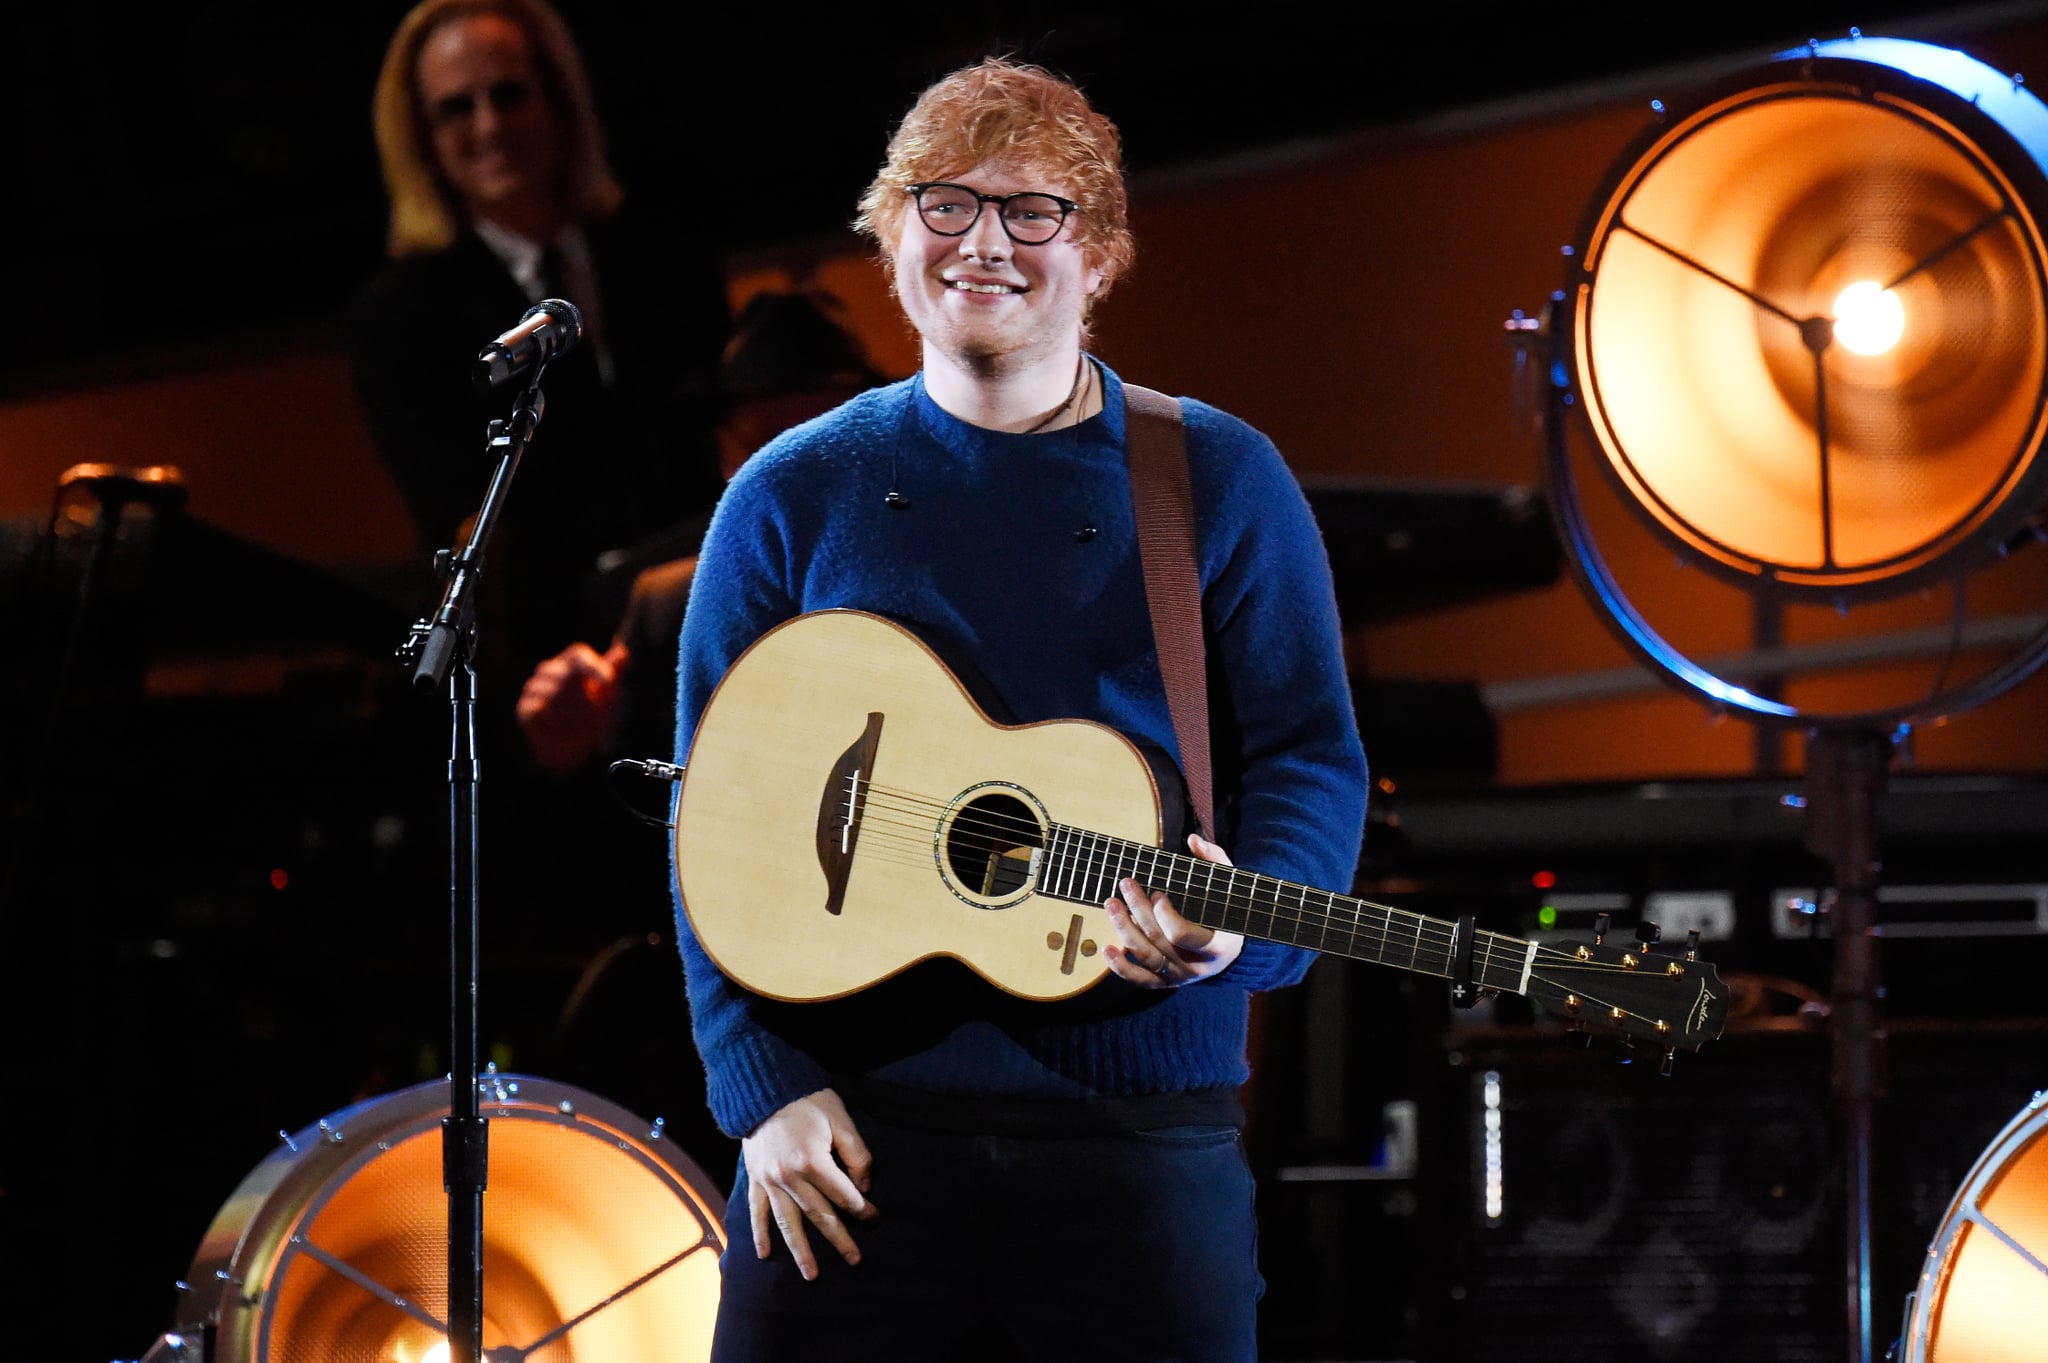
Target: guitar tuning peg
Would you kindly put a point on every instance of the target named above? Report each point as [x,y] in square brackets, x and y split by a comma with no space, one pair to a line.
[1600,926]
[1664,1067]
[1648,933]
[1692,945]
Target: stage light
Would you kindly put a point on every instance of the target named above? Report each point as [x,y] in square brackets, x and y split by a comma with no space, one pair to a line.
[601,1239]
[1809,321]
[1983,1292]
[1804,339]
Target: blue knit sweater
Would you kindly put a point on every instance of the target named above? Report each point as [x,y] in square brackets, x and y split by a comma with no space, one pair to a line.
[804,527]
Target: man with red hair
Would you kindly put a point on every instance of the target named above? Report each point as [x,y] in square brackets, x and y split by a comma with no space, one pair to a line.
[996,1177]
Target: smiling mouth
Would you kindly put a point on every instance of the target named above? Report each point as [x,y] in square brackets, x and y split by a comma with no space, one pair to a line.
[968,286]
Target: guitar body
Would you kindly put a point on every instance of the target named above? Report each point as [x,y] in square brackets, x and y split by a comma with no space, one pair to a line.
[848,810]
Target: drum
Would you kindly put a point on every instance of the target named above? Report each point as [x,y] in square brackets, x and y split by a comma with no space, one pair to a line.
[601,1238]
[1983,1292]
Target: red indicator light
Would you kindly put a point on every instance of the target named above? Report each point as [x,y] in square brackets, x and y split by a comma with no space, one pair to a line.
[278,879]
[1544,880]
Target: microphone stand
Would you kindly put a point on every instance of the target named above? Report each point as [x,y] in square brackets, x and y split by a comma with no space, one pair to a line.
[443,652]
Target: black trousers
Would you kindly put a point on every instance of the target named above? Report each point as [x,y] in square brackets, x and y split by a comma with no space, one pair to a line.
[1130,1246]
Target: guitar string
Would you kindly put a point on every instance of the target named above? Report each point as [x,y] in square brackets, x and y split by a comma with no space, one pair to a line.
[1425,931]
[1419,934]
[1027,832]
[1428,931]
[922,839]
[1605,1009]
[1424,934]
[1306,929]
[923,853]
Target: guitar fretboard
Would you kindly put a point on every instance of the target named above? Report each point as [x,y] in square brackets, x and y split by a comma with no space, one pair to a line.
[1085,868]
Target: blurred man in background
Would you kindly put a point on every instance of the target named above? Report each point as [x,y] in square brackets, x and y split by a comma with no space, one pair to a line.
[500,196]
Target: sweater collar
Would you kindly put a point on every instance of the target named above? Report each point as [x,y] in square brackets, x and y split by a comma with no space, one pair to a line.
[1106,427]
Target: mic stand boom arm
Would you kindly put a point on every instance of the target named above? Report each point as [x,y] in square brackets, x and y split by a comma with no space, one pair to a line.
[443,653]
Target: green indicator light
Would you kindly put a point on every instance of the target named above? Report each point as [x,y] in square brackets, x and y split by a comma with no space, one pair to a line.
[1547,916]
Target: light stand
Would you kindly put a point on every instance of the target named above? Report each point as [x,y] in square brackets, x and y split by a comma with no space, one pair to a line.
[1805,454]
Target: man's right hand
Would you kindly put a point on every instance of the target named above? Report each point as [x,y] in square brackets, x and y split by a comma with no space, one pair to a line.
[793,1177]
[567,706]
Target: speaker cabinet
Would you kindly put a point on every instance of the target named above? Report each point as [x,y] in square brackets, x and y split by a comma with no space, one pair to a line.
[1574,1208]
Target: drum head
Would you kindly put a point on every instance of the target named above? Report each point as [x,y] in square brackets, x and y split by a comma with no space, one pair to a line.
[1983,1292]
[601,1239]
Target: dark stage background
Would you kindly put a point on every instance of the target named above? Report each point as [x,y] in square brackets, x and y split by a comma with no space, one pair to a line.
[232,914]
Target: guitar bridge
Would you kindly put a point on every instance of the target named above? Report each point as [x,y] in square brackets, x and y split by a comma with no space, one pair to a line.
[840,808]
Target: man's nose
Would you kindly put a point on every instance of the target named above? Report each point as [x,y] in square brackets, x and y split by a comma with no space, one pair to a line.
[986,240]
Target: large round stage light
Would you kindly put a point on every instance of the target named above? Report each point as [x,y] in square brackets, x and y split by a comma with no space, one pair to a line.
[1983,1293]
[1805,324]
[601,1239]
[1810,320]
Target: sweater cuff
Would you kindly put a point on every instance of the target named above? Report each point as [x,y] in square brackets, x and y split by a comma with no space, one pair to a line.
[1266,965]
[759,1075]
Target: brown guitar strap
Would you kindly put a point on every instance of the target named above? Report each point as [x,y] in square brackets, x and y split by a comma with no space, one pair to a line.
[1156,446]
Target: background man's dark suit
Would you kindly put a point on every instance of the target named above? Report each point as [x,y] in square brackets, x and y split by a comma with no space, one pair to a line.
[612,468]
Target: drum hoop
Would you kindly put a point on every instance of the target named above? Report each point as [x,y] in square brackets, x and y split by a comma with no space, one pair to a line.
[230,1280]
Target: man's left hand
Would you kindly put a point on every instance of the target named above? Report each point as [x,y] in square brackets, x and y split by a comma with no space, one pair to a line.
[1159,949]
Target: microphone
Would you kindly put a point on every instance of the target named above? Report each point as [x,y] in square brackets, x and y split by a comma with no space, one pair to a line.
[548,331]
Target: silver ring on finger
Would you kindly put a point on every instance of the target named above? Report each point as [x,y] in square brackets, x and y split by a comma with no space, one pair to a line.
[1165,964]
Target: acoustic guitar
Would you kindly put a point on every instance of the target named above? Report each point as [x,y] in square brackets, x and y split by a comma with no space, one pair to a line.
[848,810]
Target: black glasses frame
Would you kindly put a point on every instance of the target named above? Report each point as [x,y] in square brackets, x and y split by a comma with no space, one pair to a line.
[1002,201]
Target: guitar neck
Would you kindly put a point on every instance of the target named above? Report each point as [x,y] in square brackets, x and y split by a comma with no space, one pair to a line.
[1085,868]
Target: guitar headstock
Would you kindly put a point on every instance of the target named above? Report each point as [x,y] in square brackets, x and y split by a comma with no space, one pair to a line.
[1669,999]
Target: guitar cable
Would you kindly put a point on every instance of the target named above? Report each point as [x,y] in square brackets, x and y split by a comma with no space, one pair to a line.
[651,769]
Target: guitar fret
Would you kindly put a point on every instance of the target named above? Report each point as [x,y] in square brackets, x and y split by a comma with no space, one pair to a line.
[1225,903]
[1262,905]
[1309,919]
[1350,927]
[1133,861]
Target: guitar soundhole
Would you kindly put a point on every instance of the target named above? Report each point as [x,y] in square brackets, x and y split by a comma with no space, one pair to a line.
[989,843]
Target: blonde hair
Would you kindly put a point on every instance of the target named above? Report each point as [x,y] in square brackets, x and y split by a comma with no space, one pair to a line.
[425,213]
[999,110]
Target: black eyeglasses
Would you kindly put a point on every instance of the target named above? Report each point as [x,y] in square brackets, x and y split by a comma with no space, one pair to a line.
[1028,219]
[502,95]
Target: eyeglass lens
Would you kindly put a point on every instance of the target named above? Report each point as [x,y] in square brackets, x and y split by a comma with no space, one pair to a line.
[503,96]
[951,211]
